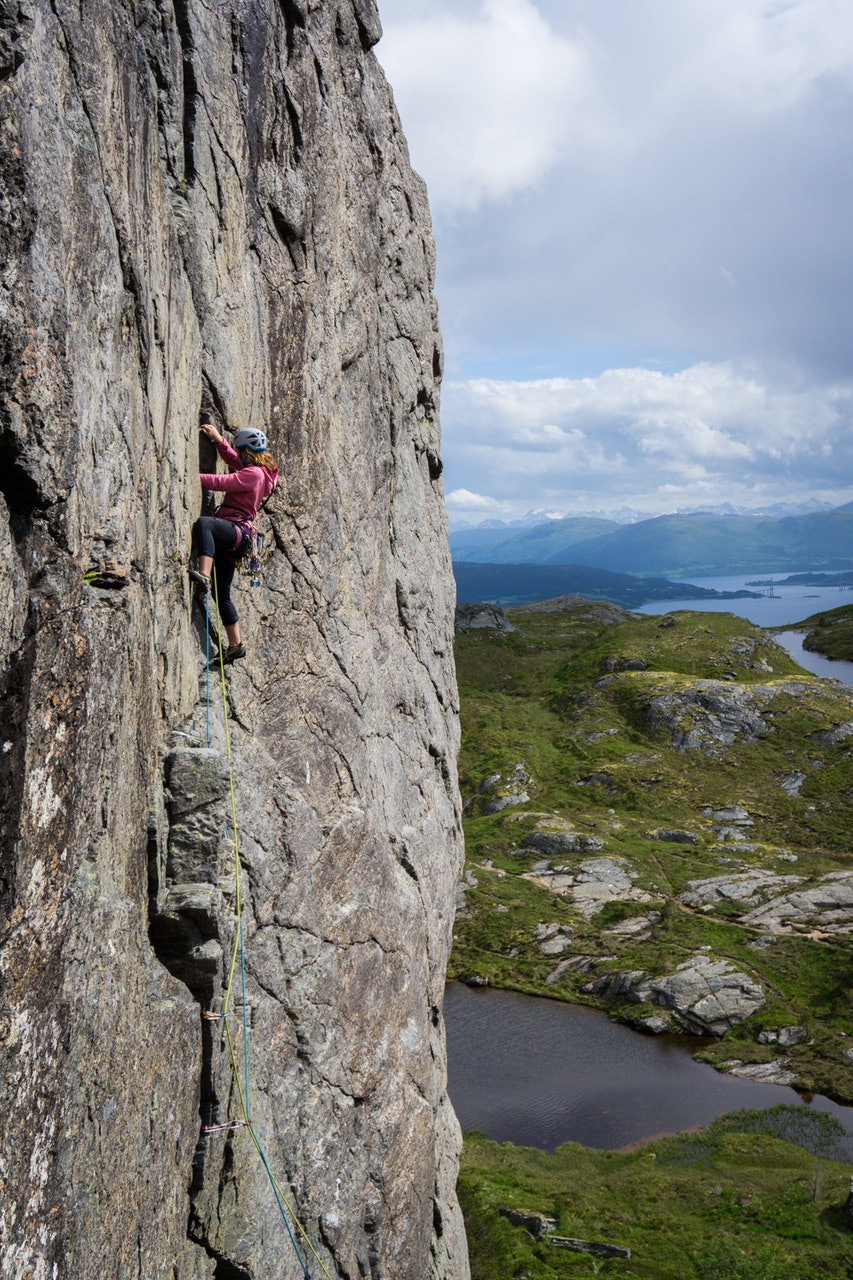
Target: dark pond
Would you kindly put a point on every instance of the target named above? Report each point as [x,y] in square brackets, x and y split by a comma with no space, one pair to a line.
[538,1072]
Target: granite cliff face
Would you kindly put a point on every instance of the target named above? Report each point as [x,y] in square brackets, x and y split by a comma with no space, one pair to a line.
[210,207]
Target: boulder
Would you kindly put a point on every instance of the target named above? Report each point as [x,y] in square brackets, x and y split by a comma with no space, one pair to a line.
[481,617]
[508,793]
[832,737]
[559,843]
[554,946]
[538,1224]
[710,715]
[654,1024]
[732,814]
[775,1072]
[707,997]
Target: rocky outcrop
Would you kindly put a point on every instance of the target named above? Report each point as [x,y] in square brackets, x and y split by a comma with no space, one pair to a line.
[777,903]
[825,906]
[706,997]
[749,887]
[559,840]
[591,883]
[481,617]
[210,208]
[710,715]
[597,612]
[775,1072]
[538,1224]
[507,792]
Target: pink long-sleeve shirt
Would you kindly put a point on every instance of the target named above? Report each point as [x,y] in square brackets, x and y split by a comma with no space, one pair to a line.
[245,488]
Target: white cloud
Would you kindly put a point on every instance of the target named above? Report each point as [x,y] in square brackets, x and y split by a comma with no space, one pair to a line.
[494,93]
[487,97]
[760,55]
[637,188]
[465,500]
[639,435]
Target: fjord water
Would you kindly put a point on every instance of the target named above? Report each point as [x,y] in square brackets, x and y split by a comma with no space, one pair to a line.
[539,1072]
[787,605]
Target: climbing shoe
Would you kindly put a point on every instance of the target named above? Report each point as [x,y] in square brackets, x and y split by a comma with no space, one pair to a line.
[231,654]
[200,579]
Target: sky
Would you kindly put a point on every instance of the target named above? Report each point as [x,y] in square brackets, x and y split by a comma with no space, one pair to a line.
[643,212]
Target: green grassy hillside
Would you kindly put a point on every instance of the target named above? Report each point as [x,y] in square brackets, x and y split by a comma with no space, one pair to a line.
[644,793]
[715,1205]
[830,633]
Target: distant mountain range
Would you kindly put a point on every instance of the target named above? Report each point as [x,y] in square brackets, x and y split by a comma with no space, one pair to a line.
[698,543]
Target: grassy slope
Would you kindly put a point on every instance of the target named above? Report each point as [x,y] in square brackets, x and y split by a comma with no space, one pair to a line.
[710,1206]
[829,633]
[534,696]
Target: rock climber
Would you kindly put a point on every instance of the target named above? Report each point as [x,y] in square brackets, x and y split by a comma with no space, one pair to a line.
[226,537]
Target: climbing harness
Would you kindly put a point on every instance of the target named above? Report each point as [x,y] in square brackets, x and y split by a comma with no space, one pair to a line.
[250,555]
[288,1214]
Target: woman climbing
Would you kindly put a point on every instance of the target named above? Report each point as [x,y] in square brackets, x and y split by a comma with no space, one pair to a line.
[226,537]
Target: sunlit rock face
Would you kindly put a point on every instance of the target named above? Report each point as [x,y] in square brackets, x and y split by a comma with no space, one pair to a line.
[209,208]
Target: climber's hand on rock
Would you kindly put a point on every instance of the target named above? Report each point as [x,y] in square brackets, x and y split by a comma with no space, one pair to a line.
[210,431]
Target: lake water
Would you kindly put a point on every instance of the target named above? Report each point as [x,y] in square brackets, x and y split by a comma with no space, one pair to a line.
[539,1072]
[787,605]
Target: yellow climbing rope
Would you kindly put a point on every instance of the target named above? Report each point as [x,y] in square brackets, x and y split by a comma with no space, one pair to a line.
[288,1214]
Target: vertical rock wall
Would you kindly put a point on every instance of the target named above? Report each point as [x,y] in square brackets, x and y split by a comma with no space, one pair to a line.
[210,205]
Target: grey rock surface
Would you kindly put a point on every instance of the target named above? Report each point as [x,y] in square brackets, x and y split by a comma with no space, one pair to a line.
[591,883]
[775,1072]
[749,887]
[706,996]
[507,792]
[559,843]
[209,208]
[710,715]
[825,905]
[731,814]
[538,1224]
[832,737]
[635,925]
[481,617]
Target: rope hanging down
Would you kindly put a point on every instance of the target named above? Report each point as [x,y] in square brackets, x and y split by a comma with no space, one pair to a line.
[287,1212]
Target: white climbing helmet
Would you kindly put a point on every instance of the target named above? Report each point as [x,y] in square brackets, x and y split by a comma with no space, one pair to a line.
[250,438]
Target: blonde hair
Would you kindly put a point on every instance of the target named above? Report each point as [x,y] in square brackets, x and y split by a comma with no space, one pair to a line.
[251,458]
